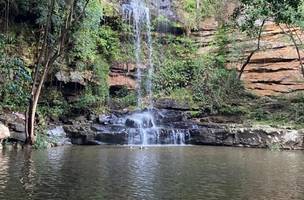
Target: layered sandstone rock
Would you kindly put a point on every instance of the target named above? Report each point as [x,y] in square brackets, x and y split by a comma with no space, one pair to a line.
[273,70]
[122,74]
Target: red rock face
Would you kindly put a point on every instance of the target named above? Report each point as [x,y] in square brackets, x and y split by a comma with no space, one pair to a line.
[121,80]
[122,74]
[273,70]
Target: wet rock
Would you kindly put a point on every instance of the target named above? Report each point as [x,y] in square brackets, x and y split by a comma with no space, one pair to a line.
[19,136]
[78,140]
[17,131]
[63,142]
[80,133]
[113,138]
[107,119]
[59,136]
[168,116]
[131,123]
[80,129]
[93,142]
[57,132]
[80,118]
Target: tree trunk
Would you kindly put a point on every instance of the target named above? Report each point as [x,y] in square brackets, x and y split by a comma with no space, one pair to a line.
[30,120]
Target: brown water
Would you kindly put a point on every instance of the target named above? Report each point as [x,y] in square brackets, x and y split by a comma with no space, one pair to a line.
[155,173]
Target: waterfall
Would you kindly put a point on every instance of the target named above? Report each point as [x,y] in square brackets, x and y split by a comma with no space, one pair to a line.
[138,14]
[141,126]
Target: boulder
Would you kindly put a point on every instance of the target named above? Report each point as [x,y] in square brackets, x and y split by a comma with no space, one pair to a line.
[17,130]
[20,136]
[78,77]
[80,133]
[17,127]
[4,132]
[113,138]
[16,124]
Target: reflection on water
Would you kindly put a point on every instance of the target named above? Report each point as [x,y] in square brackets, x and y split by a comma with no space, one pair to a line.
[153,173]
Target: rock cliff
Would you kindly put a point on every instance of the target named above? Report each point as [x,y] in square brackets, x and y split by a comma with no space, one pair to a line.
[273,70]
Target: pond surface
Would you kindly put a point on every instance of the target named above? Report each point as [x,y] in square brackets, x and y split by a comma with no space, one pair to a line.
[190,172]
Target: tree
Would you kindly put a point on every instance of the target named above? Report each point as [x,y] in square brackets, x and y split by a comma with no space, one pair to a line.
[61,18]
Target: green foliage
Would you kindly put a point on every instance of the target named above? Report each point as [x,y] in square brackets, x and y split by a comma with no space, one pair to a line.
[87,35]
[287,11]
[195,11]
[284,110]
[128,101]
[88,102]
[176,65]
[202,80]
[184,96]
[42,141]
[101,70]
[108,43]
[174,74]
[15,78]
[53,104]
[215,86]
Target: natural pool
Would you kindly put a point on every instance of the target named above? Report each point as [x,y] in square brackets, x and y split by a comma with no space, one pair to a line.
[163,172]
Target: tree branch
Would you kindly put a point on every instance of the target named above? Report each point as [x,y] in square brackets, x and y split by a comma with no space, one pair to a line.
[296,46]
[254,51]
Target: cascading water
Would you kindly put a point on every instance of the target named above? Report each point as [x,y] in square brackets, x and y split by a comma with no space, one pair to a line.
[137,13]
[141,126]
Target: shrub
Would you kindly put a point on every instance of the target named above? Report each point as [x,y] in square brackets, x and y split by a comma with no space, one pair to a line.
[213,86]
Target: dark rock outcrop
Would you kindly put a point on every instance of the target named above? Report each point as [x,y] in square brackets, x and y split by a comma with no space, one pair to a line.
[80,133]
[16,124]
[255,136]
[170,104]
[174,126]
[225,135]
